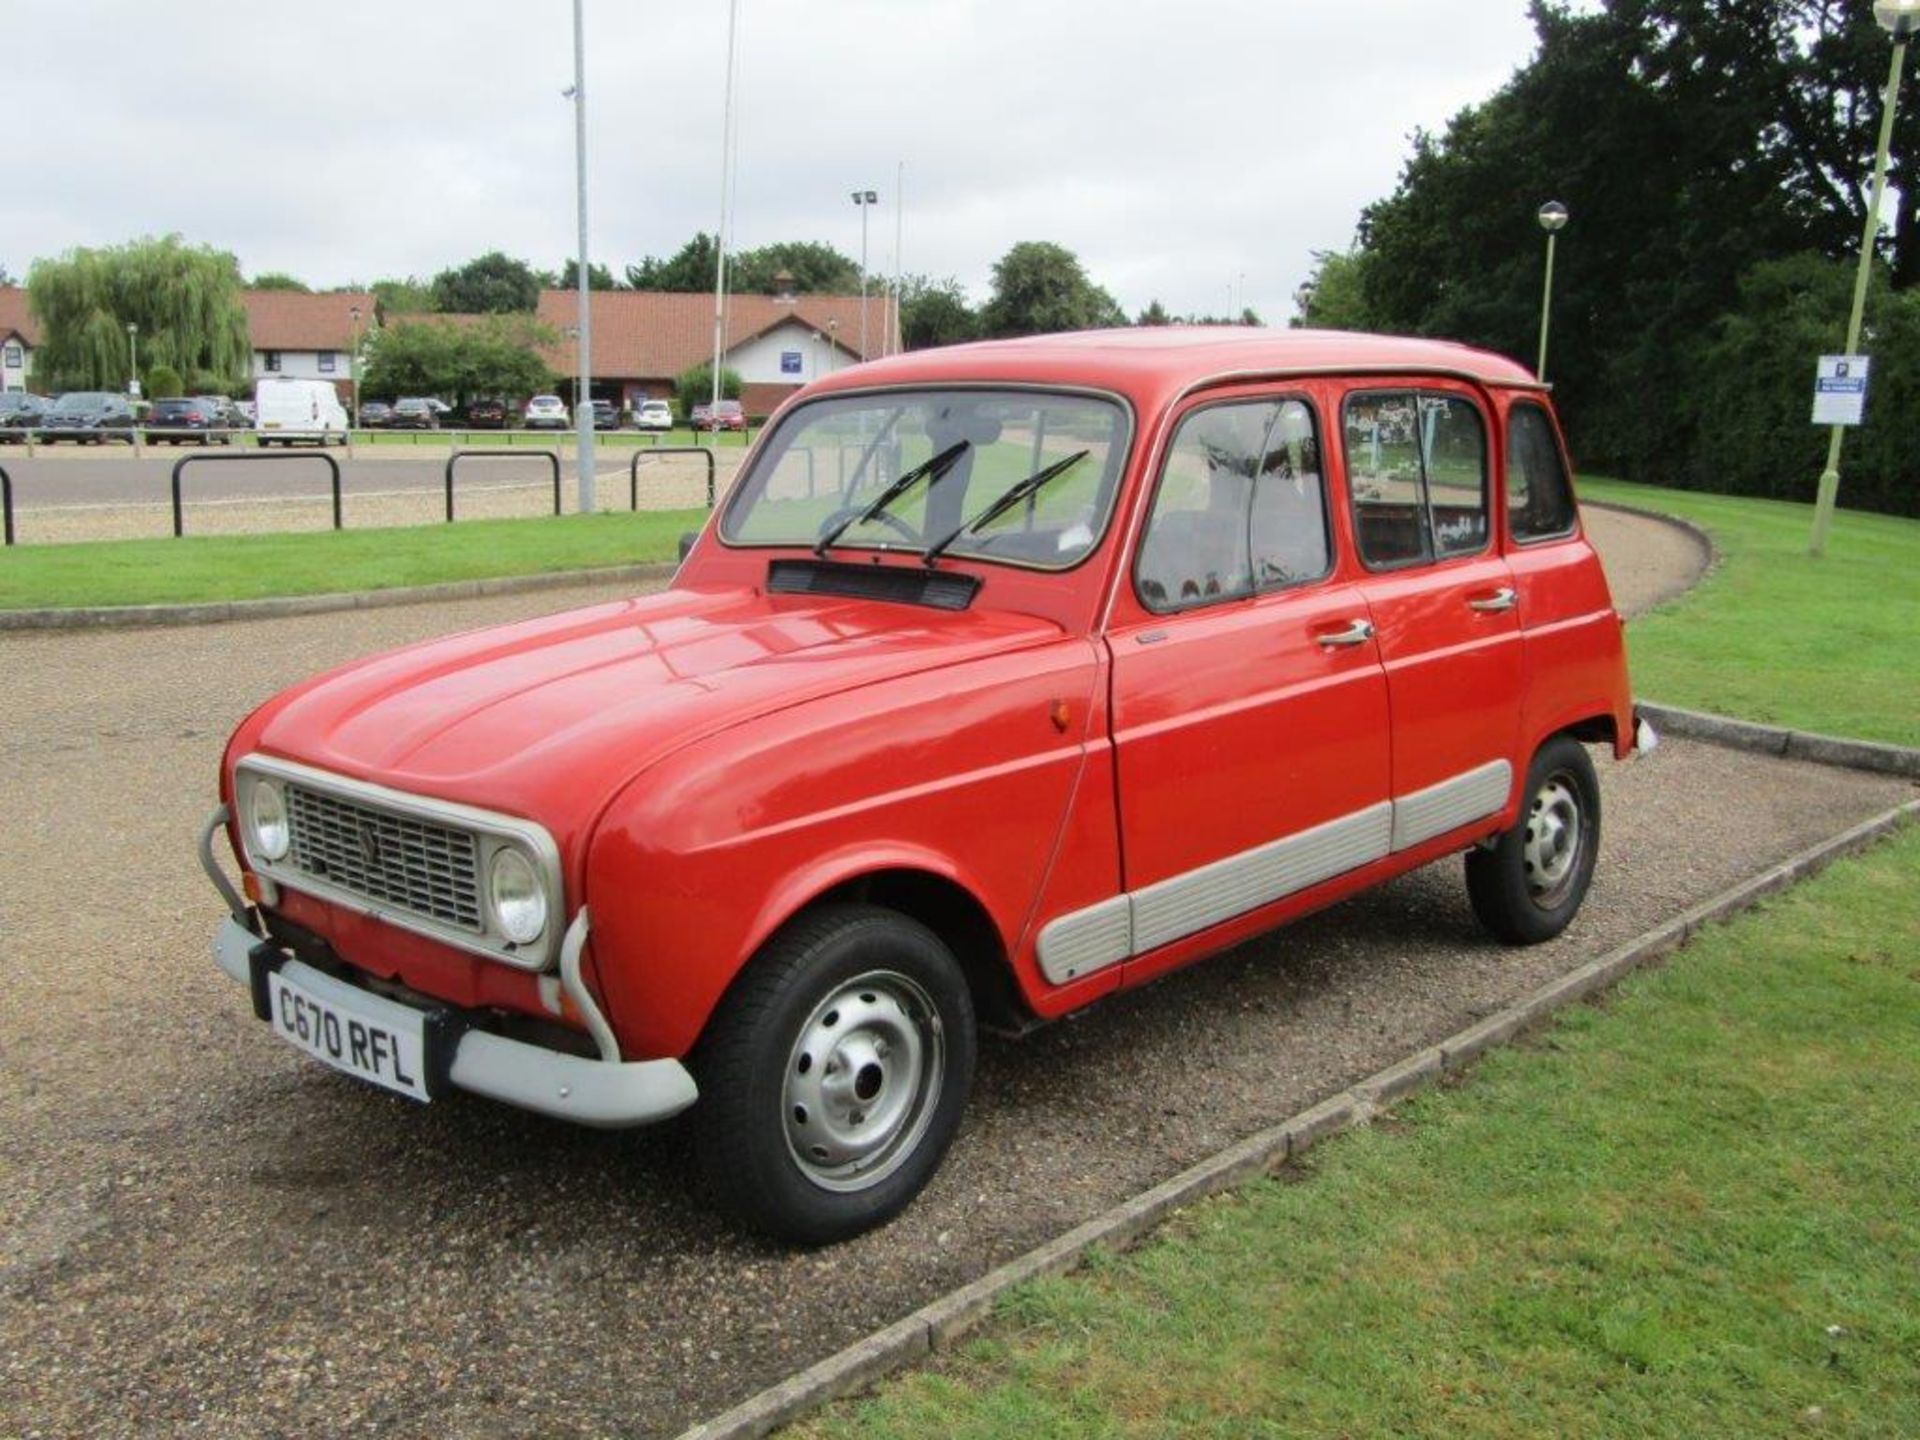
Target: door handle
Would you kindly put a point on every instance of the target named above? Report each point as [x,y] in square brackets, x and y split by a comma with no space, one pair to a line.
[1359,632]
[1505,598]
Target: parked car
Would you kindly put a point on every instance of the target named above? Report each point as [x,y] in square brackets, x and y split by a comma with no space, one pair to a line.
[249,412]
[1124,647]
[546,412]
[292,410]
[606,415]
[487,414]
[727,416]
[185,422]
[413,413]
[88,417]
[375,415]
[442,411]
[20,410]
[653,415]
[226,414]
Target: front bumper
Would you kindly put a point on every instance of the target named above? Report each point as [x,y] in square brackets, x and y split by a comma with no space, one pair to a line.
[604,1092]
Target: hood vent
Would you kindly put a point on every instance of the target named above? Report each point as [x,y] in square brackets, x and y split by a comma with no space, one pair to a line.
[937,589]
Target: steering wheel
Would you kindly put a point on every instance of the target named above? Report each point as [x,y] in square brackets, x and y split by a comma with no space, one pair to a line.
[885,517]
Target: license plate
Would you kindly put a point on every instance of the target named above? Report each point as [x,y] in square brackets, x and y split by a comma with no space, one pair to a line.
[271,425]
[381,1043]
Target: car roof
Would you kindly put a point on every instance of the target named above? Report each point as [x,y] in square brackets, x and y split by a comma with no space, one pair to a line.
[1163,358]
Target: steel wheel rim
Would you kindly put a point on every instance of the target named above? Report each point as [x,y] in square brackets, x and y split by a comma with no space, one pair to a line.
[1556,840]
[862,1081]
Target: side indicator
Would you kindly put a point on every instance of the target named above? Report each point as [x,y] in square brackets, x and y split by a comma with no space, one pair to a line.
[1061,715]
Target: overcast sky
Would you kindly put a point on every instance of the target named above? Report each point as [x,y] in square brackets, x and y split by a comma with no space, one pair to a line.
[1174,147]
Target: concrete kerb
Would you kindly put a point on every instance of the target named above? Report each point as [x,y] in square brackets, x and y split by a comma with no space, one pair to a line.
[1699,535]
[936,1325]
[276,607]
[1789,744]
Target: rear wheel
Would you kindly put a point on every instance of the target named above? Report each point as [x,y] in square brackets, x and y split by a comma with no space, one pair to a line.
[833,1076]
[1528,884]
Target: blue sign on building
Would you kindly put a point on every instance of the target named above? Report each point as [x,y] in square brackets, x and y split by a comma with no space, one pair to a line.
[789,362]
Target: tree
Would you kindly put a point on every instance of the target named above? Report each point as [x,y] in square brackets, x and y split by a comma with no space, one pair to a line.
[495,356]
[694,385]
[401,297]
[599,277]
[689,269]
[1154,314]
[935,312]
[162,383]
[493,284]
[815,269]
[185,300]
[1040,288]
[279,280]
[1339,301]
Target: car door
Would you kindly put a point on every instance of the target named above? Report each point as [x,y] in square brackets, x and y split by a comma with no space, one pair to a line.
[1419,480]
[1249,708]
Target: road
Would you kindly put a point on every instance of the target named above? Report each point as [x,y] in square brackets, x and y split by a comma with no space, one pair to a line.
[205,1233]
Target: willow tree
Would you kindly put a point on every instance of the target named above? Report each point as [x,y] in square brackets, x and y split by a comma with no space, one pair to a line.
[184,299]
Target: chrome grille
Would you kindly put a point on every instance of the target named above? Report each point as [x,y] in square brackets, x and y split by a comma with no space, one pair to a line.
[414,865]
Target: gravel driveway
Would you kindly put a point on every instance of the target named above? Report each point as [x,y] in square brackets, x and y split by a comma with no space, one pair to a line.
[206,1234]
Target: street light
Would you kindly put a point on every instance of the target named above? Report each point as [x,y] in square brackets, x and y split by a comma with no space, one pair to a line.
[1898,18]
[864,198]
[1303,299]
[353,361]
[133,359]
[583,345]
[1553,219]
[833,345]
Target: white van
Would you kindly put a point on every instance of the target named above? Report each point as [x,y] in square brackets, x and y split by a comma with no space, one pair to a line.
[288,410]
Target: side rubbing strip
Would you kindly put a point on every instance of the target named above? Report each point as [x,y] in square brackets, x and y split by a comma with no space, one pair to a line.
[1450,804]
[1087,940]
[1187,903]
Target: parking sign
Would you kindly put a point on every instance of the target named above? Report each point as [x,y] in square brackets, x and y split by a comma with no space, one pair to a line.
[1840,390]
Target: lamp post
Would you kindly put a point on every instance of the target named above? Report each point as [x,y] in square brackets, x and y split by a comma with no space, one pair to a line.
[1899,19]
[720,240]
[833,345]
[1303,300]
[864,199]
[353,361]
[133,359]
[583,302]
[1553,219]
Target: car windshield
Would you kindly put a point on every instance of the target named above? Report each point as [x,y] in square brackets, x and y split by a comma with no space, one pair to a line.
[829,461]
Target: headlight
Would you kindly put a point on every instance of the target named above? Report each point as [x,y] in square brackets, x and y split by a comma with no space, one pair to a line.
[518,900]
[267,830]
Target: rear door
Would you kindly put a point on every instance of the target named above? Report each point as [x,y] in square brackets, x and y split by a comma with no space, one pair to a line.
[1420,481]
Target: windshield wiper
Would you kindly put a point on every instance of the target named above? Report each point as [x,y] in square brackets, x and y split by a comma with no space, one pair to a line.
[933,471]
[1009,498]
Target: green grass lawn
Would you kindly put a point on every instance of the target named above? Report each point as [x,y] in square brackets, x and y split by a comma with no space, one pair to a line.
[238,567]
[1830,645]
[1642,1225]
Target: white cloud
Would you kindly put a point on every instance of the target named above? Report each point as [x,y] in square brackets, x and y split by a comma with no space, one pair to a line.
[1176,148]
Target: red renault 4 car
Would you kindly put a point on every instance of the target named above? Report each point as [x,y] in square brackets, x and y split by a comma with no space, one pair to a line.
[1007,676]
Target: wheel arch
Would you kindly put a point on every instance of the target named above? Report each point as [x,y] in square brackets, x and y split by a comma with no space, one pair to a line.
[947,907]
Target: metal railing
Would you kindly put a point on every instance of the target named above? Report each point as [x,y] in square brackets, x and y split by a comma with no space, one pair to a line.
[633,469]
[552,457]
[254,457]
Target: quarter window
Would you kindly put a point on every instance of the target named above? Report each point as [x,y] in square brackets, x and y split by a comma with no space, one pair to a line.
[1241,507]
[1417,470]
[1539,497]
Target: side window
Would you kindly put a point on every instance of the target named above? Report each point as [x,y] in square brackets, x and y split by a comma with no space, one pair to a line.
[1417,470]
[1241,506]
[1539,499]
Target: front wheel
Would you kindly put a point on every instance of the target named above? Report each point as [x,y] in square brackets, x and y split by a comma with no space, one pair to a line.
[1528,884]
[833,1075]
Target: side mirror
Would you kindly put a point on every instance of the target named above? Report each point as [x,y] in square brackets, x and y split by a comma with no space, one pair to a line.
[687,542]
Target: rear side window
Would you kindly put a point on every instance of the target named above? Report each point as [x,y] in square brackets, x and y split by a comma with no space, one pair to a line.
[1241,507]
[1417,470]
[1539,496]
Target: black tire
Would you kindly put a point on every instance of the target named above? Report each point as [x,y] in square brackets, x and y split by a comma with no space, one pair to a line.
[777,1128]
[1528,885]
